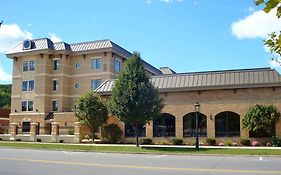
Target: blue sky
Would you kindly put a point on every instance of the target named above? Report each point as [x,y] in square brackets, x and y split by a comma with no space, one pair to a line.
[186,35]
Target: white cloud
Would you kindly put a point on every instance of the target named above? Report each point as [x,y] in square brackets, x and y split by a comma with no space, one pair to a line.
[4,76]
[275,63]
[54,37]
[251,9]
[148,1]
[257,25]
[10,35]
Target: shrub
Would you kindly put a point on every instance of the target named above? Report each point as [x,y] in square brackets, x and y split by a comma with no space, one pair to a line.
[275,141]
[111,132]
[1,139]
[70,131]
[235,144]
[146,141]
[39,140]
[18,140]
[245,142]
[221,144]
[61,141]
[211,141]
[164,142]
[177,141]
[229,143]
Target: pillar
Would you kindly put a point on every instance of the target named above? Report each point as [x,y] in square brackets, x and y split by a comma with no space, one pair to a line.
[13,130]
[149,130]
[211,130]
[278,129]
[55,132]
[77,133]
[33,128]
[179,127]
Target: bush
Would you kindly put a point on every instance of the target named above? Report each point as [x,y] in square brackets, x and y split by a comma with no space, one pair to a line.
[39,140]
[164,142]
[275,141]
[229,143]
[61,141]
[211,141]
[255,143]
[1,139]
[177,141]
[245,142]
[146,141]
[111,132]
[70,131]
[18,140]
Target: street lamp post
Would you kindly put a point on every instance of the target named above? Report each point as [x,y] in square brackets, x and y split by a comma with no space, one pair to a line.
[197,108]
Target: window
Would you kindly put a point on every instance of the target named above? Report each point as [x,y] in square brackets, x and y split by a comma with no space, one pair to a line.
[227,124]
[28,85]
[24,106]
[55,105]
[77,65]
[30,105]
[130,131]
[31,85]
[24,85]
[189,125]
[31,65]
[164,126]
[117,66]
[55,85]
[27,106]
[95,84]
[96,63]
[25,65]
[28,66]
[25,127]
[56,64]
[77,85]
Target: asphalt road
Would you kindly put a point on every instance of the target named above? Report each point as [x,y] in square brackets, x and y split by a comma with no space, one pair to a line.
[42,162]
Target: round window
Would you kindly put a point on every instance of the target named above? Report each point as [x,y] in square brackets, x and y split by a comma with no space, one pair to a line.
[77,65]
[77,85]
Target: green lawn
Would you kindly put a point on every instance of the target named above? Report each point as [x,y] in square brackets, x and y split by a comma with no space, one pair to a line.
[133,149]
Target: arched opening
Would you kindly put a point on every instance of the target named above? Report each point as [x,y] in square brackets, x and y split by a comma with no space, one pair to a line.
[189,125]
[130,131]
[164,126]
[227,124]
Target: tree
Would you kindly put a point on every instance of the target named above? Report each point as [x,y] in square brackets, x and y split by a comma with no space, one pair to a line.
[261,117]
[90,111]
[274,41]
[5,96]
[134,99]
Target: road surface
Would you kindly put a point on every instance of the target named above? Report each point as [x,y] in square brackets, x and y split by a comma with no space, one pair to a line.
[43,162]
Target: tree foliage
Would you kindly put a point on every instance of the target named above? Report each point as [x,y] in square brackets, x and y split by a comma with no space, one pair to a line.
[111,132]
[274,40]
[134,99]
[90,111]
[260,117]
[5,96]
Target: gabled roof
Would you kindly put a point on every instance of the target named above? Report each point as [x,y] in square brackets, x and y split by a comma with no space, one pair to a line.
[226,79]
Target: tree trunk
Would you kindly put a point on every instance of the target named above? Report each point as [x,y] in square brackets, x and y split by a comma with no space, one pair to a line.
[137,136]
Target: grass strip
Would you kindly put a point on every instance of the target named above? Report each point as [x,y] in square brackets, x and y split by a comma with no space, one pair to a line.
[133,149]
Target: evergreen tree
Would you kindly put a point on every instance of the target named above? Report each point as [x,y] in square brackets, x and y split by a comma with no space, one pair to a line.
[134,99]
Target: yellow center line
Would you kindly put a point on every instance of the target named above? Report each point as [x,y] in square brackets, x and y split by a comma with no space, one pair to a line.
[142,167]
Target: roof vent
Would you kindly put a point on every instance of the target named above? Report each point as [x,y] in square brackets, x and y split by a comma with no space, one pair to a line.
[27,44]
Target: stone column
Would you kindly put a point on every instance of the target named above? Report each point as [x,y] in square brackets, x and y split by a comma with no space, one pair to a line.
[149,130]
[77,132]
[211,127]
[33,128]
[179,127]
[55,132]
[13,130]
[278,129]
